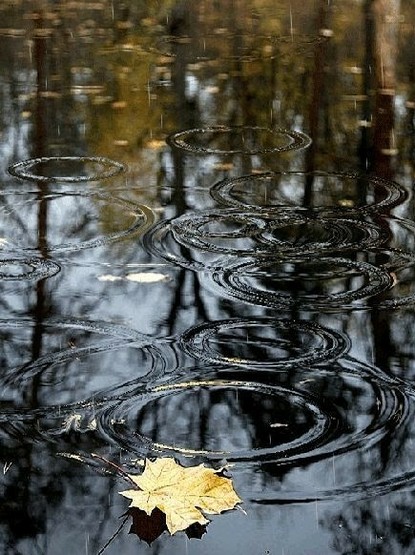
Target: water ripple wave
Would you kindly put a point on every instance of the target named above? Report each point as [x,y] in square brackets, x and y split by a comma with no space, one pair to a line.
[302,283]
[74,220]
[66,169]
[265,191]
[27,269]
[250,140]
[210,415]
[272,343]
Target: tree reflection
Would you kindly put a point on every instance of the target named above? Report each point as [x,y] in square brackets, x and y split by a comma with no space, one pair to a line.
[114,79]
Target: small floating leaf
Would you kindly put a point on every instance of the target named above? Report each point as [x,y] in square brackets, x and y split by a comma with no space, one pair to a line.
[146,277]
[181,493]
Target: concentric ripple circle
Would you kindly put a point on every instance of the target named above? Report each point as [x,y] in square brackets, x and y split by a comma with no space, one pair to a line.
[398,259]
[338,234]
[401,266]
[347,474]
[287,419]
[55,326]
[121,422]
[268,190]
[160,241]
[74,220]
[298,40]
[289,230]
[27,269]
[276,344]
[81,359]
[222,231]
[262,282]
[247,140]
[238,47]
[226,46]
[67,169]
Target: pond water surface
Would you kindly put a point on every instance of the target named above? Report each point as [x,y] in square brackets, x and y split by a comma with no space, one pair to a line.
[207,252]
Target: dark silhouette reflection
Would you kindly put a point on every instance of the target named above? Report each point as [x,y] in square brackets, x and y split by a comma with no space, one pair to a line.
[374,527]
[32,477]
[149,527]
[322,23]
[26,516]
[380,526]
[382,19]
[386,20]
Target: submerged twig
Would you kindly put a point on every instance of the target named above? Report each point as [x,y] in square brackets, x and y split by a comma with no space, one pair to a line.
[112,538]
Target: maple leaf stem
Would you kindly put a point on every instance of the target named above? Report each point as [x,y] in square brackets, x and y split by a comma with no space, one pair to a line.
[118,469]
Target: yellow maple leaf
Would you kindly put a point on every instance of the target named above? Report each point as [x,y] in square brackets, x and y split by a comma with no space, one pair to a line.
[182,493]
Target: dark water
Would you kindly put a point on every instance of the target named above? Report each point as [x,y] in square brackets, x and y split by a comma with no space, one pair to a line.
[207,251]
